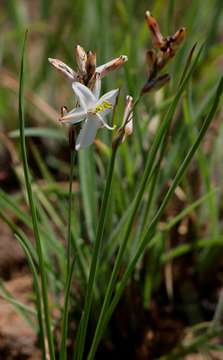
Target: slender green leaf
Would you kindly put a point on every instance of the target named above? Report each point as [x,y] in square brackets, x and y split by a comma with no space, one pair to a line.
[95,258]
[24,310]
[151,229]
[88,190]
[33,208]
[37,292]
[148,172]
[40,132]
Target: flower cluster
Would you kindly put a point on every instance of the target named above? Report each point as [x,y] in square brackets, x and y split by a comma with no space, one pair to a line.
[86,84]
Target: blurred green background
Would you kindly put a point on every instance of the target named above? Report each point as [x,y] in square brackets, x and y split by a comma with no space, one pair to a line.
[108,27]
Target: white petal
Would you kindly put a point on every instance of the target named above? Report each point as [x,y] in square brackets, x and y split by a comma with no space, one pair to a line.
[107,102]
[97,86]
[87,133]
[73,117]
[85,97]
[104,124]
[65,69]
[111,65]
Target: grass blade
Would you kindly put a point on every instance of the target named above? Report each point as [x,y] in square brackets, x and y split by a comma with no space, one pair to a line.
[33,208]
[40,132]
[64,328]
[95,257]
[70,268]
[146,177]
[24,310]
[151,229]
[88,191]
[7,201]
[188,209]
[193,346]
[20,233]
[38,294]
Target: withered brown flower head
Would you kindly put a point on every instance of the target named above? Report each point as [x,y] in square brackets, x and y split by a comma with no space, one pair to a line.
[164,49]
[167,44]
[156,83]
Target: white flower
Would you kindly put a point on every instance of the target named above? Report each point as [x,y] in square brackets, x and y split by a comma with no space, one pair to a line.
[92,110]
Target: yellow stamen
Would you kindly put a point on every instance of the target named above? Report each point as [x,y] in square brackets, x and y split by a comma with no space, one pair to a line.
[103,106]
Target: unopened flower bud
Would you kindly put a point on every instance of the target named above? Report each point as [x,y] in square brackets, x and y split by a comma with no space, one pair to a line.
[151,60]
[171,43]
[157,37]
[63,111]
[127,123]
[81,58]
[111,65]
[127,112]
[128,129]
[155,83]
[64,68]
[178,37]
[90,64]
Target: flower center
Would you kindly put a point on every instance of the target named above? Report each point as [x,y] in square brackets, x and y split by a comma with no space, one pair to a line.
[105,105]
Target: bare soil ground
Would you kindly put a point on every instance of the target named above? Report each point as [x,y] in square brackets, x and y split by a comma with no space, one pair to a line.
[17,338]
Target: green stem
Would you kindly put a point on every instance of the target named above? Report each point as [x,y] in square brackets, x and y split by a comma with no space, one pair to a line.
[69,233]
[70,268]
[64,330]
[95,257]
[42,269]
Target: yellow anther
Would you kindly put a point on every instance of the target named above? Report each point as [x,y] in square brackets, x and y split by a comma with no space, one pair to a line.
[103,106]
